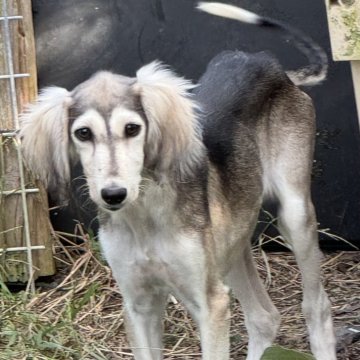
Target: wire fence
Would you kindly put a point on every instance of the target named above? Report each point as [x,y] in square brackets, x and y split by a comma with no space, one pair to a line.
[10,76]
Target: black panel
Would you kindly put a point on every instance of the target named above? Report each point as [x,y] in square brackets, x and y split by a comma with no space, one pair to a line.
[74,39]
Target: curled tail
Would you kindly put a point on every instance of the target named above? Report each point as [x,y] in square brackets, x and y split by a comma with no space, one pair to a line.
[312,74]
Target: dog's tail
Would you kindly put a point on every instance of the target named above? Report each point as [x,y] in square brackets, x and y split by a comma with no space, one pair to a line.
[312,74]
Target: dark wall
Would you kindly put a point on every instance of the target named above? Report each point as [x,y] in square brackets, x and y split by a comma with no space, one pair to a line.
[74,39]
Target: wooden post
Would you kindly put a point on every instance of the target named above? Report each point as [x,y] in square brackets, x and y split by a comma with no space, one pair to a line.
[13,264]
[344,28]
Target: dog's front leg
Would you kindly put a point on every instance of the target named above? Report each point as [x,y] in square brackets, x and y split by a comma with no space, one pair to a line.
[198,284]
[143,294]
[143,320]
[210,309]
[214,322]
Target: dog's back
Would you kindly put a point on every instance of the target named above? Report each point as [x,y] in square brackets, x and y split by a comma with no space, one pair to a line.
[234,92]
[236,81]
[249,107]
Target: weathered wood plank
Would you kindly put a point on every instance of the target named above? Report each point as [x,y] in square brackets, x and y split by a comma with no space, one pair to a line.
[11,213]
[344,28]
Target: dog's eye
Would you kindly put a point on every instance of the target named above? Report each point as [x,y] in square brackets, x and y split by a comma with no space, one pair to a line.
[132,130]
[83,134]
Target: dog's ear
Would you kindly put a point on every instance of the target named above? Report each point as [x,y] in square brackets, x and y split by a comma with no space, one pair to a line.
[45,140]
[174,138]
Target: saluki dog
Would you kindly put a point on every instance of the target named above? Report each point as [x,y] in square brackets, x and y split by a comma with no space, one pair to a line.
[179,175]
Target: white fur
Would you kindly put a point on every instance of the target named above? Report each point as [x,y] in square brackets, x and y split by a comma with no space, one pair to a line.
[103,170]
[229,11]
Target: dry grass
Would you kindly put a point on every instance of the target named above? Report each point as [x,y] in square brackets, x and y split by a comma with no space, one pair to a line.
[78,313]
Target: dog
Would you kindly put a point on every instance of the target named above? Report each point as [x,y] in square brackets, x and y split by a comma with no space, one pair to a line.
[179,175]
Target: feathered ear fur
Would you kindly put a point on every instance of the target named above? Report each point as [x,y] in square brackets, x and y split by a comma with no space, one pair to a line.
[174,139]
[44,139]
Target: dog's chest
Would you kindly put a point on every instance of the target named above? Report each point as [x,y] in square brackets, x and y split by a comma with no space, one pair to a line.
[150,249]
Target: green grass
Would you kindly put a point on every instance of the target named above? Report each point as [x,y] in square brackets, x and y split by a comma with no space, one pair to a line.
[280,353]
[26,334]
[50,323]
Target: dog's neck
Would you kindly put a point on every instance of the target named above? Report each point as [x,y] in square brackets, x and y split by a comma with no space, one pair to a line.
[165,202]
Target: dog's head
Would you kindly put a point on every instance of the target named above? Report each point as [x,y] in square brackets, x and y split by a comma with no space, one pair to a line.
[116,127]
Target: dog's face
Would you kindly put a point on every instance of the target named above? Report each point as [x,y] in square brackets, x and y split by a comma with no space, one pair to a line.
[108,133]
[115,126]
[111,151]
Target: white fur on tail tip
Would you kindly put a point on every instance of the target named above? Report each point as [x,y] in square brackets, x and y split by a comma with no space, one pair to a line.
[229,11]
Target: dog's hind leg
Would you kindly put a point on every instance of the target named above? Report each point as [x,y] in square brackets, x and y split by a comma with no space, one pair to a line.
[297,223]
[261,316]
[290,174]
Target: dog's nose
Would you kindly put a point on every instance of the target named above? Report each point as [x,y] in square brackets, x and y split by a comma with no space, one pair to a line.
[114,195]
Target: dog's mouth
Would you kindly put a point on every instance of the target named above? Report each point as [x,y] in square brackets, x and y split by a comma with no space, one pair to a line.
[113,208]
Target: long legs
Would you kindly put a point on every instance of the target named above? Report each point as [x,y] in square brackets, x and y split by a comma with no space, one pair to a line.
[297,223]
[261,317]
[213,319]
